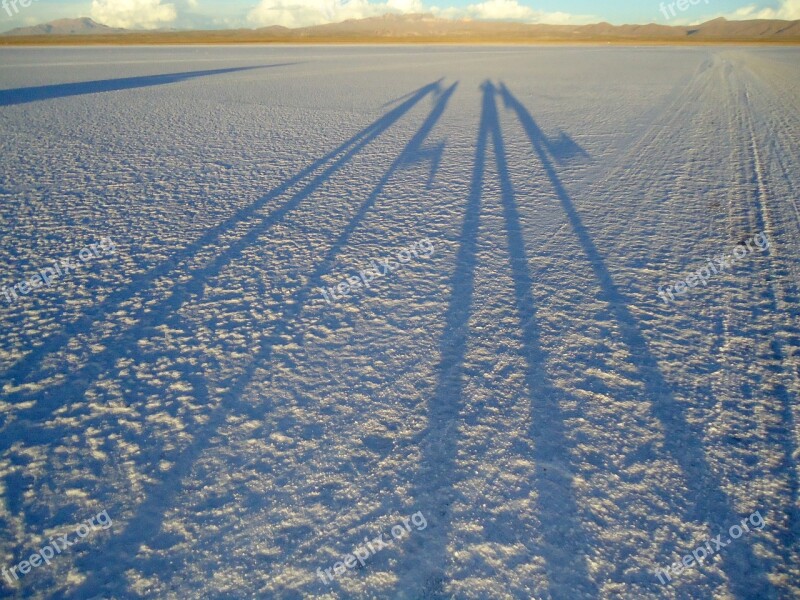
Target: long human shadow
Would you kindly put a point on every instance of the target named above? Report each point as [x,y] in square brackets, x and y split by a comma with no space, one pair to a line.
[65,90]
[565,541]
[23,370]
[150,514]
[746,573]
[435,480]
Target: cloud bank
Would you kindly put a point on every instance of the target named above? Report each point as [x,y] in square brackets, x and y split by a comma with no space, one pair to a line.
[151,14]
[788,10]
[512,10]
[304,13]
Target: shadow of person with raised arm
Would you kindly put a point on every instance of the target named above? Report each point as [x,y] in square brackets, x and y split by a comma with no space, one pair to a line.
[566,543]
[75,383]
[745,571]
[34,422]
[435,480]
[33,366]
[150,514]
[437,477]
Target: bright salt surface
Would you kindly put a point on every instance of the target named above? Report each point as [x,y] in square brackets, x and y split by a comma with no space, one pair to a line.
[562,429]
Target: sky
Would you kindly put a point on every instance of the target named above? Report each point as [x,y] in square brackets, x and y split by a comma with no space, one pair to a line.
[221,14]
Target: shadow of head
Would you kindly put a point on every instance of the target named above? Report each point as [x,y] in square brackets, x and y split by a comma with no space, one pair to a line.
[562,147]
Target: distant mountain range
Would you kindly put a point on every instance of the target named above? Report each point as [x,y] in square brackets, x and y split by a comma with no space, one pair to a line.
[418,28]
[84,26]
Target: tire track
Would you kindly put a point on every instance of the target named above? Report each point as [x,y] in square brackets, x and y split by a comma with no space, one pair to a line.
[756,213]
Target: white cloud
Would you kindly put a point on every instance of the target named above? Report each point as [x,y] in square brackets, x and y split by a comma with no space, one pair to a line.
[301,13]
[502,9]
[788,9]
[512,10]
[406,6]
[140,14]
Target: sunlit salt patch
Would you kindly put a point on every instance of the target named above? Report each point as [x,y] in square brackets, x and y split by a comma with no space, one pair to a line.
[279,438]
[74,577]
[162,418]
[76,493]
[180,386]
[34,386]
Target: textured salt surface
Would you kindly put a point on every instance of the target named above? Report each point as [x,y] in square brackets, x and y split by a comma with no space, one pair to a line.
[563,430]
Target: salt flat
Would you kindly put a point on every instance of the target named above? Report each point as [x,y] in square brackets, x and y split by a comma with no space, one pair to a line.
[563,429]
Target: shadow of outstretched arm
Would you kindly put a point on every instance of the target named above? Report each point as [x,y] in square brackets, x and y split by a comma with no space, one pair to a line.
[65,90]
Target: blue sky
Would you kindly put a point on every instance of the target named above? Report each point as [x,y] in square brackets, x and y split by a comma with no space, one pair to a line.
[149,14]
